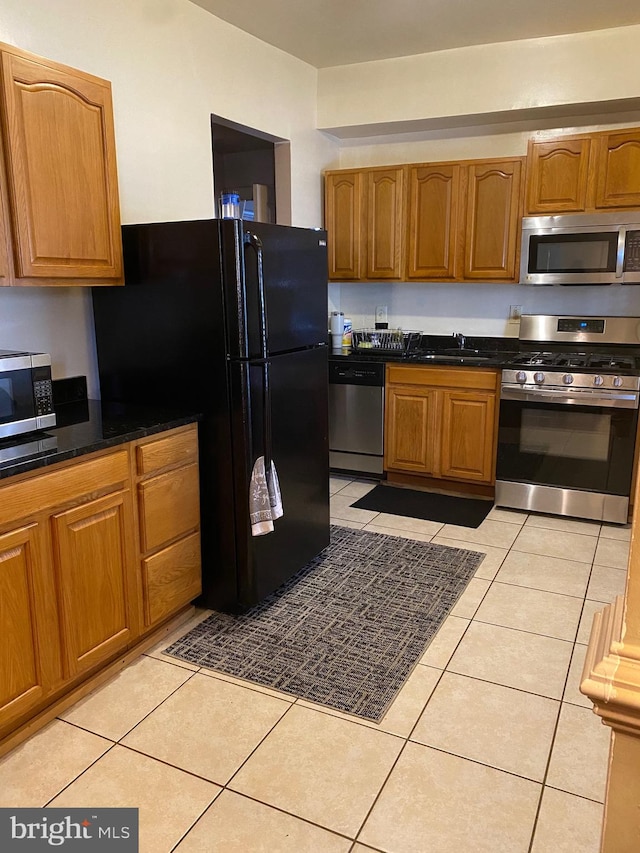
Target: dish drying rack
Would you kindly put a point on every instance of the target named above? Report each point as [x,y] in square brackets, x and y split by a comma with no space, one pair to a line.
[393,341]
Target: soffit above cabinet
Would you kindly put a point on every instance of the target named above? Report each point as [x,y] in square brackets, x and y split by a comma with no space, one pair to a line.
[326,33]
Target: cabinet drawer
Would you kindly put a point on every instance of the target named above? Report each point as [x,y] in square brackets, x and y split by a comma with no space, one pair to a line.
[172,578]
[169,506]
[475,379]
[45,491]
[177,449]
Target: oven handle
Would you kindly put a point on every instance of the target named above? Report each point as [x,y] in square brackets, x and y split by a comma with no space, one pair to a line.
[622,400]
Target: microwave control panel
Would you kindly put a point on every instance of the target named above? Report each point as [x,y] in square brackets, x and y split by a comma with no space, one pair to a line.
[42,391]
[632,252]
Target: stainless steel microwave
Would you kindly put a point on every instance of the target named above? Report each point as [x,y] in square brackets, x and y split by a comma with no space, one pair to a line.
[602,248]
[26,393]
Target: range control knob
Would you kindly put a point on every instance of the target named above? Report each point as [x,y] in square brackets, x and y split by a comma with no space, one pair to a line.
[538,377]
[521,376]
[617,381]
[598,380]
[567,379]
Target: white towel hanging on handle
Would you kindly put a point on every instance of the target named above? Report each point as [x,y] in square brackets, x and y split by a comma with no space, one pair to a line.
[265,500]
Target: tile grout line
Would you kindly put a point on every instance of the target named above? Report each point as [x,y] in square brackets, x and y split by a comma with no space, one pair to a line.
[555,730]
[406,739]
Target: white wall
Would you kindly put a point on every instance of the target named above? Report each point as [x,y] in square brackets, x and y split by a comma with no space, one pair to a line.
[171,65]
[508,78]
[474,309]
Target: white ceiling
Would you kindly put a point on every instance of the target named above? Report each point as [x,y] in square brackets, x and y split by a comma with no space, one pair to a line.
[340,32]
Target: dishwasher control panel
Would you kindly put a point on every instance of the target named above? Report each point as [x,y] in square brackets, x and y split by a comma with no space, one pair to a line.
[343,372]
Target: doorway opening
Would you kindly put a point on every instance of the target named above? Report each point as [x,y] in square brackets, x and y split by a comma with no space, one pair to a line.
[256,165]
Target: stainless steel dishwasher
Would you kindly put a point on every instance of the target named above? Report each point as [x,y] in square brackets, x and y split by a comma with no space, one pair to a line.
[356,415]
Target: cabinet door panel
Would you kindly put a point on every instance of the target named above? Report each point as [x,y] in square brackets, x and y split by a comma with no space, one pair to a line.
[411,430]
[344,224]
[618,170]
[492,221]
[433,221]
[96,578]
[28,628]
[467,435]
[385,224]
[557,178]
[169,506]
[61,170]
[171,578]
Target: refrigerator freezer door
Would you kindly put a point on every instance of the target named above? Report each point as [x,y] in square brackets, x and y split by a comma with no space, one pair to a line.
[294,262]
[301,455]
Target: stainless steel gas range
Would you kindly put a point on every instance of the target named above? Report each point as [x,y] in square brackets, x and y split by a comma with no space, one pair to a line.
[568,417]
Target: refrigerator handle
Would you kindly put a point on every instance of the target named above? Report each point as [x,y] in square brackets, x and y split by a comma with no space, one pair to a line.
[255,242]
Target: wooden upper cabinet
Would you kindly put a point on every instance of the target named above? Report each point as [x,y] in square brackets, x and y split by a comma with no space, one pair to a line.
[618,169]
[433,220]
[558,173]
[492,219]
[344,221]
[59,148]
[385,197]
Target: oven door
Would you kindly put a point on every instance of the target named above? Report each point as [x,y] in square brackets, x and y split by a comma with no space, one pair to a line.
[566,456]
[17,403]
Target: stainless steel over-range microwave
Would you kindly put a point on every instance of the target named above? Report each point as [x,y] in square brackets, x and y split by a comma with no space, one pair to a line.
[26,394]
[602,248]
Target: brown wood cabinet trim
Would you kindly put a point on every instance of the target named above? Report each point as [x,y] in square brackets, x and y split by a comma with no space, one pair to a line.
[444,377]
[157,453]
[40,492]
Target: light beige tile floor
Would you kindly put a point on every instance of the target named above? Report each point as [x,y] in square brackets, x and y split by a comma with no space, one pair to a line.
[489,731]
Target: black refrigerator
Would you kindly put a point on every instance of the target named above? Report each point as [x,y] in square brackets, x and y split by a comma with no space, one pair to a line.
[229,318]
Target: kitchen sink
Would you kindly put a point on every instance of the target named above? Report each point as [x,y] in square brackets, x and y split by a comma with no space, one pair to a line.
[456,359]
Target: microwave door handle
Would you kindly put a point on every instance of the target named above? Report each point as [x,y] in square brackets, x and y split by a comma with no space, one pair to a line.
[622,242]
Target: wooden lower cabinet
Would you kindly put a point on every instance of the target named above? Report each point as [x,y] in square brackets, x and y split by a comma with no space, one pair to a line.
[29,659]
[466,446]
[441,422]
[411,414]
[78,588]
[95,573]
[169,523]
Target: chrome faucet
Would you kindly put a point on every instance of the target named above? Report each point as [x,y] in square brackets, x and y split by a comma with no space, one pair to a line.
[460,339]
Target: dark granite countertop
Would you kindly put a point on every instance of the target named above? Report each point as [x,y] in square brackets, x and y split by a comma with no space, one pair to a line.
[441,350]
[85,427]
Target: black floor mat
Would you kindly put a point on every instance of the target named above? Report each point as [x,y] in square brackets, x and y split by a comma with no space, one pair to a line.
[430,506]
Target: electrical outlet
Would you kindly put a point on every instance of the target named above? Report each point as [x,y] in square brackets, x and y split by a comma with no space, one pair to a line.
[515,312]
[381,314]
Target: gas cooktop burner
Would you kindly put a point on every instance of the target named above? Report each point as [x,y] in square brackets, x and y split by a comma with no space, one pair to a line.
[573,360]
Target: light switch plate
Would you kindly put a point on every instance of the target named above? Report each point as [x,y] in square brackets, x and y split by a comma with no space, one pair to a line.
[515,312]
[381,314]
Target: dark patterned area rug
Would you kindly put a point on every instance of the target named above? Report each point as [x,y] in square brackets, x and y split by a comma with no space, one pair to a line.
[348,629]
